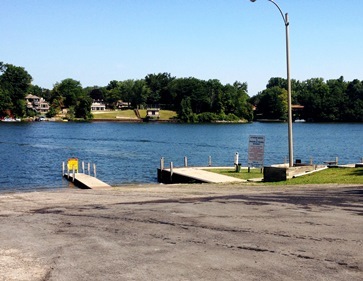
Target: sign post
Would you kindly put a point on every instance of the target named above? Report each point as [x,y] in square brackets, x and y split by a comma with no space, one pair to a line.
[256,150]
[72,164]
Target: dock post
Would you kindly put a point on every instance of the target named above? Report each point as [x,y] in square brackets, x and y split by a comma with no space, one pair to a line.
[83,167]
[361,160]
[311,161]
[63,168]
[89,169]
[210,161]
[236,156]
[67,171]
[185,161]
[171,172]
[162,163]
[74,174]
[336,160]
[236,162]
[94,171]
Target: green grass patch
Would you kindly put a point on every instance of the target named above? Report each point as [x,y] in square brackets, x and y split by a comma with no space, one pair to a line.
[114,114]
[331,175]
[168,114]
[244,174]
[328,176]
[129,113]
[164,114]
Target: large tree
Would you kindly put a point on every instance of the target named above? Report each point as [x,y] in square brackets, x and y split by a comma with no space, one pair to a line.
[272,104]
[69,93]
[70,89]
[14,82]
[159,88]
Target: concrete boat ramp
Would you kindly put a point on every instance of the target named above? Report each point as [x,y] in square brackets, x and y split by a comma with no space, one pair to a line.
[190,174]
[82,180]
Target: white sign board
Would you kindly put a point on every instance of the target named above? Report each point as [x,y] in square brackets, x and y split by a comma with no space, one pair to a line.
[256,150]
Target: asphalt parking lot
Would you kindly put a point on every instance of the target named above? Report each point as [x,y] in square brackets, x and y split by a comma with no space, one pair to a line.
[183,232]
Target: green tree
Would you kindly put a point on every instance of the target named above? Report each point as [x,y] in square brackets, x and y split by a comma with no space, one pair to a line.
[113,93]
[335,103]
[236,101]
[312,96]
[95,92]
[159,88]
[140,92]
[36,91]
[83,108]
[126,89]
[354,106]
[215,93]
[71,90]
[52,112]
[186,113]
[277,82]
[5,103]
[14,82]
[272,104]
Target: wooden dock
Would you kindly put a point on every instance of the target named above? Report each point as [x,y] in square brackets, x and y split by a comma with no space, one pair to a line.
[193,175]
[82,180]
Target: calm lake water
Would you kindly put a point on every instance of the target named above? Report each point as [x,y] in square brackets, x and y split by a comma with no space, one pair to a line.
[32,153]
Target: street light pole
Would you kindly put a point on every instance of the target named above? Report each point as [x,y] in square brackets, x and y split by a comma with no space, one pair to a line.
[290,141]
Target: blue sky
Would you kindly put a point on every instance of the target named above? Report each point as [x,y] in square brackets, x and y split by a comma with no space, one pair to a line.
[95,42]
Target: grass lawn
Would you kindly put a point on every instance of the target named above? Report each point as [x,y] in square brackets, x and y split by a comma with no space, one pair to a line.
[331,175]
[164,114]
[253,174]
[113,114]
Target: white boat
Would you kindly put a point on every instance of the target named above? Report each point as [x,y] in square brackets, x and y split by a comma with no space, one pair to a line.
[300,121]
[10,119]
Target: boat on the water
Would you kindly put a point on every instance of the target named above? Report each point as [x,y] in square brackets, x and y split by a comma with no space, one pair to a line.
[10,119]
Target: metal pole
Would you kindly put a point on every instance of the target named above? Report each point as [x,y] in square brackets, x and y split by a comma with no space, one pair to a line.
[210,161]
[162,163]
[171,172]
[185,161]
[290,138]
[291,148]
[94,171]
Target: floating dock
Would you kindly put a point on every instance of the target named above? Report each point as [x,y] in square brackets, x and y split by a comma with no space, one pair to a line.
[193,175]
[82,180]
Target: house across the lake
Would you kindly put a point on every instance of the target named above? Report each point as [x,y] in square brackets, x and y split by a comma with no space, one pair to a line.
[37,104]
[98,105]
[153,112]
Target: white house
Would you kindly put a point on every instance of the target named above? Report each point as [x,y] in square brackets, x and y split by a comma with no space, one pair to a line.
[98,106]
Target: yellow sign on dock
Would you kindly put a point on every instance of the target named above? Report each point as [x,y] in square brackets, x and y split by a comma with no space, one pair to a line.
[72,164]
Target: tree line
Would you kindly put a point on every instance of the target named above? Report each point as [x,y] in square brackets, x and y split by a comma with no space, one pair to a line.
[193,99]
[333,100]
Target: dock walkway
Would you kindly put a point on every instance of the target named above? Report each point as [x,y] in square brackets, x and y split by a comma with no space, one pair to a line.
[85,181]
[197,174]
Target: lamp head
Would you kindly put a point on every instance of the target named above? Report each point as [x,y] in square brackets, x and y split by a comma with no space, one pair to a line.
[253,0]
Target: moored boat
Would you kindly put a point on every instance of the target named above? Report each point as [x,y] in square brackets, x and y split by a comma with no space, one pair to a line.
[10,119]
